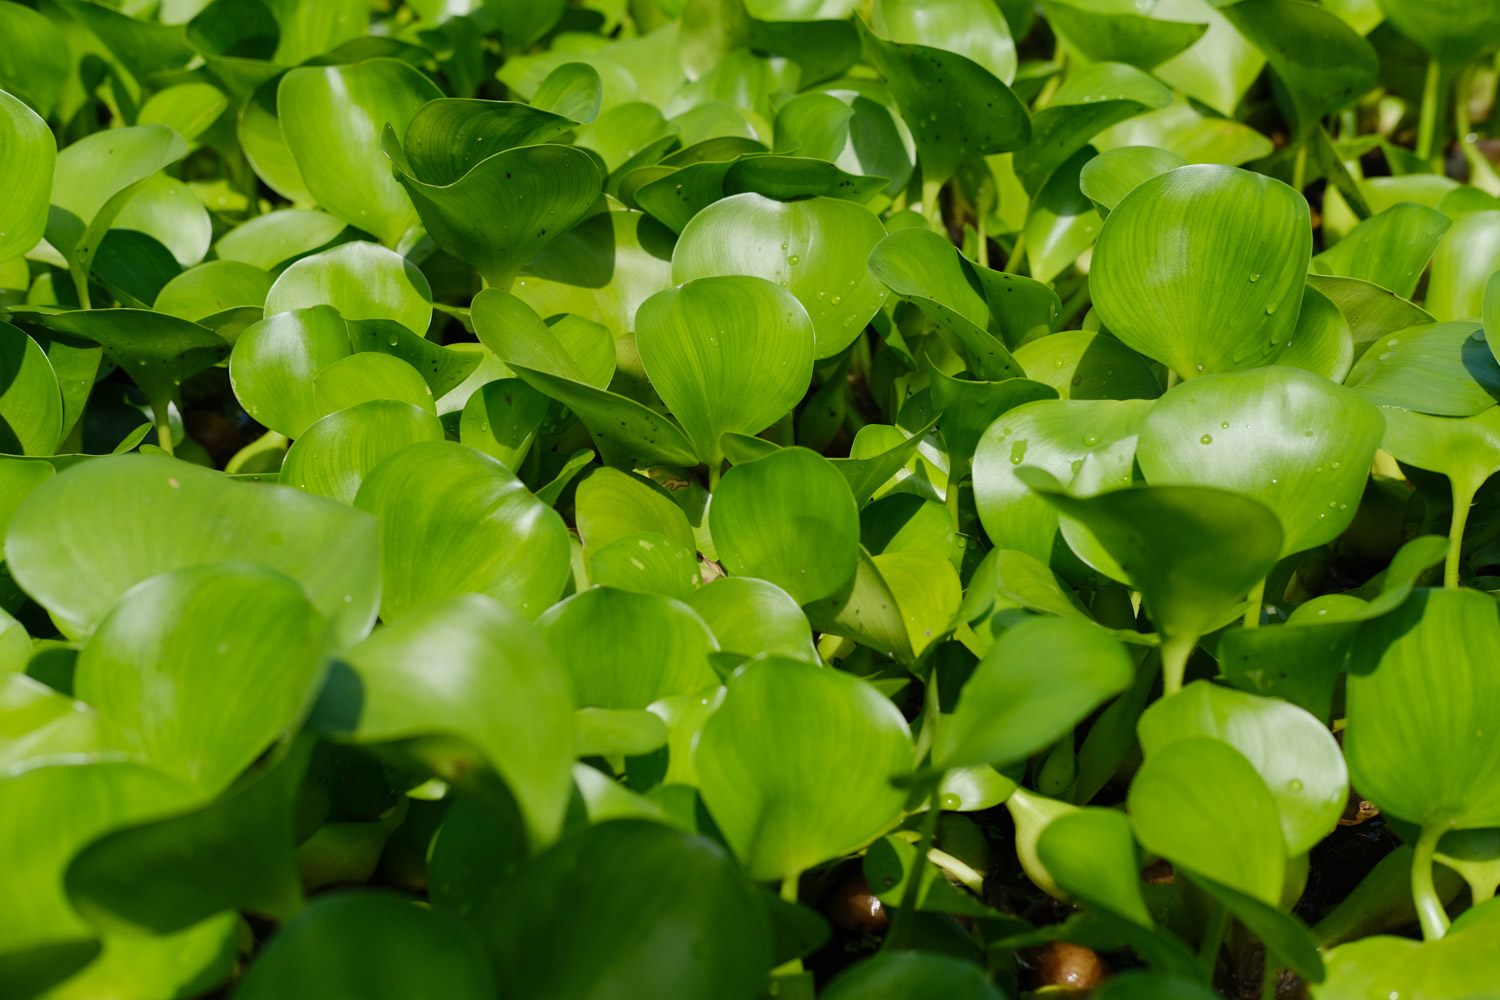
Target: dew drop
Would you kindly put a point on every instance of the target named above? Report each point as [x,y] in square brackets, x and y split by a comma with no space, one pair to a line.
[794,260]
[1224,424]
[1206,439]
[1295,784]
[393,340]
[1254,277]
[1089,440]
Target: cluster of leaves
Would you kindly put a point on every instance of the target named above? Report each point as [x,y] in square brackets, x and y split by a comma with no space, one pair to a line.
[535,499]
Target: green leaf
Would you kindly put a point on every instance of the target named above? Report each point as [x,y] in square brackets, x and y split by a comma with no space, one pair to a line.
[1192,551]
[627,650]
[1092,856]
[362,281]
[275,239]
[31,405]
[363,378]
[572,90]
[338,151]
[1372,311]
[1296,442]
[1461,964]
[796,765]
[509,327]
[29,154]
[457,521]
[75,549]
[1286,938]
[1202,269]
[1115,33]
[462,174]
[369,944]
[1450,31]
[1200,804]
[502,419]
[628,905]
[1083,365]
[611,505]
[335,454]
[77,803]
[911,975]
[1390,249]
[956,109]
[274,362]
[1061,222]
[1420,700]
[788,518]
[142,669]
[749,617]
[1323,342]
[973,29]
[214,287]
[1111,175]
[1444,369]
[1042,678]
[815,248]
[167,874]
[141,965]
[469,668]
[728,354]
[1090,443]
[36,65]
[1093,98]
[1462,265]
[158,352]
[969,408]
[96,177]
[1293,752]
[1323,63]
[981,309]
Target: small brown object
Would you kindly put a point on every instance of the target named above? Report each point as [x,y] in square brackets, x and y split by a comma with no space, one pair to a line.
[1159,873]
[853,907]
[1062,963]
[1358,811]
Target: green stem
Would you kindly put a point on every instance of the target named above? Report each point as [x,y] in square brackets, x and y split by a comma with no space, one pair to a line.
[789,893]
[1268,980]
[1429,907]
[80,282]
[1463,499]
[1175,651]
[1017,254]
[982,242]
[964,873]
[1257,601]
[1213,937]
[162,416]
[932,206]
[1299,167]
[950,496]
[901,925]
[715,470]
[1431,111]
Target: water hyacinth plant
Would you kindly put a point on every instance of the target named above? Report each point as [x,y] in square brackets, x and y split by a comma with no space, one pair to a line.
[733,499]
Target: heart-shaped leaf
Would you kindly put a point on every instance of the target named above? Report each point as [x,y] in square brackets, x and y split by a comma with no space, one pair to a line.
[334,455]
[1202,268]
[185,515]
[788,518]
[1017,703]
[763,765]
[815,248]
[465,667]
[627,650]
[1200,804]
[31,405]
[1292,751]
[1296,442]
[361,280]
[728,354]
[142,669]
[338,153]
[466,524]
